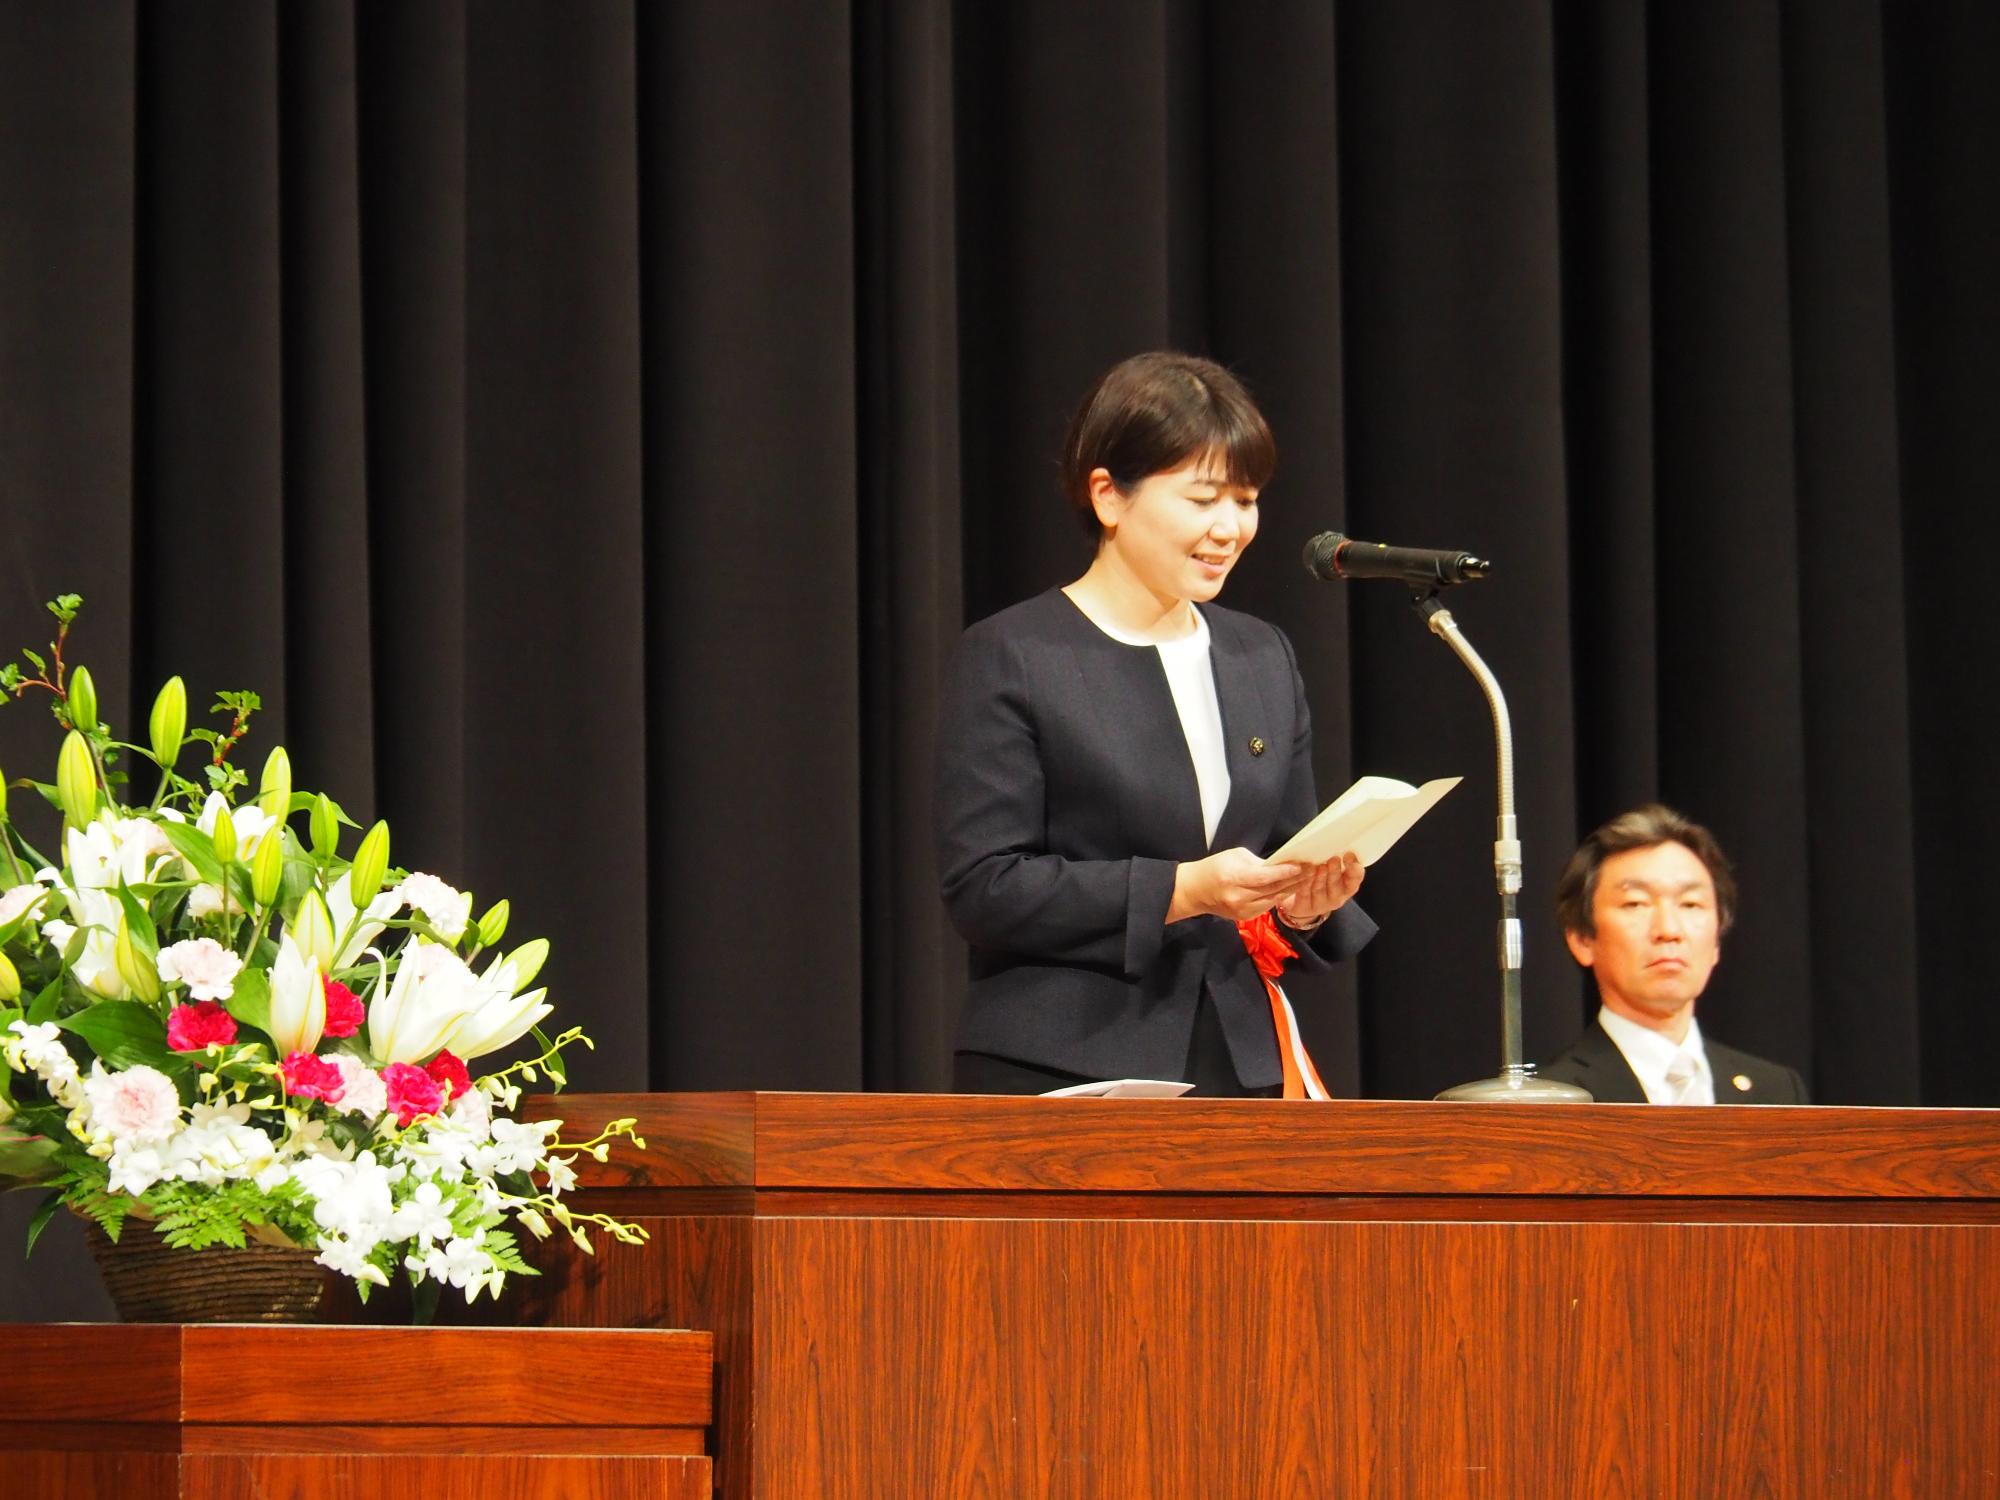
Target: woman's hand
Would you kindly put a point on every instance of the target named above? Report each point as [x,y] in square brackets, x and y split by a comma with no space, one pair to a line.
[1324,890]
[1233,883]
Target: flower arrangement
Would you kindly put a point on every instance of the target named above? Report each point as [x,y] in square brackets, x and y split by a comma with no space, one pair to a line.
[238,1034]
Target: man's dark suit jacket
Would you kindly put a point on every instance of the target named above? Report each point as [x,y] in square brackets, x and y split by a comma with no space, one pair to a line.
[1066,796]
[1594,1061]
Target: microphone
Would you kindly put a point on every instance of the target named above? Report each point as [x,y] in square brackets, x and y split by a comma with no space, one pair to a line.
[1331,555]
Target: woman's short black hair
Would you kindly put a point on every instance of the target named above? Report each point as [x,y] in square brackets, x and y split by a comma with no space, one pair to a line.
[1153,413]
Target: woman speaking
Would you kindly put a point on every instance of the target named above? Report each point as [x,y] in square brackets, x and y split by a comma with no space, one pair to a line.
[1113,755]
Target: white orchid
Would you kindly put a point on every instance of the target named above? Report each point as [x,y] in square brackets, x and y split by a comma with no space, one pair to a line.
[220,1146]
[134,1168]
[423,1216]
[298,1000]
[349,1260]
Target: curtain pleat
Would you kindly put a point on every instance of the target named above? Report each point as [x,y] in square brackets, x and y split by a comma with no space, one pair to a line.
[590,425]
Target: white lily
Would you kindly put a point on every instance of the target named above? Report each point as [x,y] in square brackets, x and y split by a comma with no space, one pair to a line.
[340,906]
[432,992]
[249,820]
[96,967]
[501,1017]
[313,930]
[111,850]
[298,1000]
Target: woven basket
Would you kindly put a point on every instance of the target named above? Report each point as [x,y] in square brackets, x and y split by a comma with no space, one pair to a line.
[151,1282]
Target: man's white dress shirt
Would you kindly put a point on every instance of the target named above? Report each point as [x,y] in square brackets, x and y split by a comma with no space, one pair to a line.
[1670,1072]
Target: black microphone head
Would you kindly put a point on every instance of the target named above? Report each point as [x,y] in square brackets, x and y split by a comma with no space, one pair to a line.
[1321,552]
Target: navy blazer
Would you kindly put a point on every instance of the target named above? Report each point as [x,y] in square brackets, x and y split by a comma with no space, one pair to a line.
[1066,796]
[1594,1062]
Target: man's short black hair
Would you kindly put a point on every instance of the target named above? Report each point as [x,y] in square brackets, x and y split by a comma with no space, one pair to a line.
[1641,828]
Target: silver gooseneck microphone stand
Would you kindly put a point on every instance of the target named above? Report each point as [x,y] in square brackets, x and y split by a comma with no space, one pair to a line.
[1516,1081]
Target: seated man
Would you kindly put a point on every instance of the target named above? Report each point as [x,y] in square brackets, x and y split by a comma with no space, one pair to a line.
[1644,902]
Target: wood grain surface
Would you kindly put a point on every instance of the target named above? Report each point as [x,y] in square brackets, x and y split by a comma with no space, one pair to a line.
[694,1271]
[967,1297]
[1435,1360]
[922,1142]
[36,1475]
[217,1411]
[864,1203]
[283,1477]
[240,1373]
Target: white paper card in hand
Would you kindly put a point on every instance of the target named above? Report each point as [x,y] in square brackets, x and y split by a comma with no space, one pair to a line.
[1122,1088]
[1367,818]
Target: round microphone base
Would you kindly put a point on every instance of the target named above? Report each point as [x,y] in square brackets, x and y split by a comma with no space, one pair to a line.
[1519,1085]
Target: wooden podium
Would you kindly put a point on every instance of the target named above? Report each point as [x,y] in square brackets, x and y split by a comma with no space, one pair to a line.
[929,1297]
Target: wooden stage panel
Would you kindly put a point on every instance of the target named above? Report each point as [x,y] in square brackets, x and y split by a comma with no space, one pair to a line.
[256,1412]
[1095,1299]
[466,1477]
[1423,1360]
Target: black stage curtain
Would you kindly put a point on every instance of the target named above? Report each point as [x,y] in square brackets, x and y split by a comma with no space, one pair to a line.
[590,425]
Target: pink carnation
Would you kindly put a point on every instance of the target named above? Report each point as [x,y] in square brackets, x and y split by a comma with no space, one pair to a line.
[310,1077]
[449,1074]
[361,1087]
[344,1011]
[138,1105]
[204,1024]
[207,968]
[412,1092]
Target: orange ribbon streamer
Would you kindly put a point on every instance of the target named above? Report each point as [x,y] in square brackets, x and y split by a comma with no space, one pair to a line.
[1268,951]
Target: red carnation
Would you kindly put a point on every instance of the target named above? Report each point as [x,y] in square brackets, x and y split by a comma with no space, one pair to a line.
[412,1092]
[344,1011]
[449,1074]
[204,1023]
[310,1077]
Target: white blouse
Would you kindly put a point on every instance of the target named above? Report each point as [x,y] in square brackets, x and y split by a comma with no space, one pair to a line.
[1192,679]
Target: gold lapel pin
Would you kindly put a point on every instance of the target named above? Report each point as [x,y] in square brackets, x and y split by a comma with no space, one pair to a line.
[1742,1082]
[1256,744]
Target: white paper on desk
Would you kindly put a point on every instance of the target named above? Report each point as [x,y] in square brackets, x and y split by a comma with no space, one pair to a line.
[1367,818]
[1122,1088]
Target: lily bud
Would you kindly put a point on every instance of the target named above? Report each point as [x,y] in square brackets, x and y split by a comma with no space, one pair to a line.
[167,728]
[493,926]
[82,700]
[76,781]
[371,863]
[10,980]
[527,961]
[140,974]
[274,792]
[224,836]
[313,931]
[267,865]
[325,827]
[3,796]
